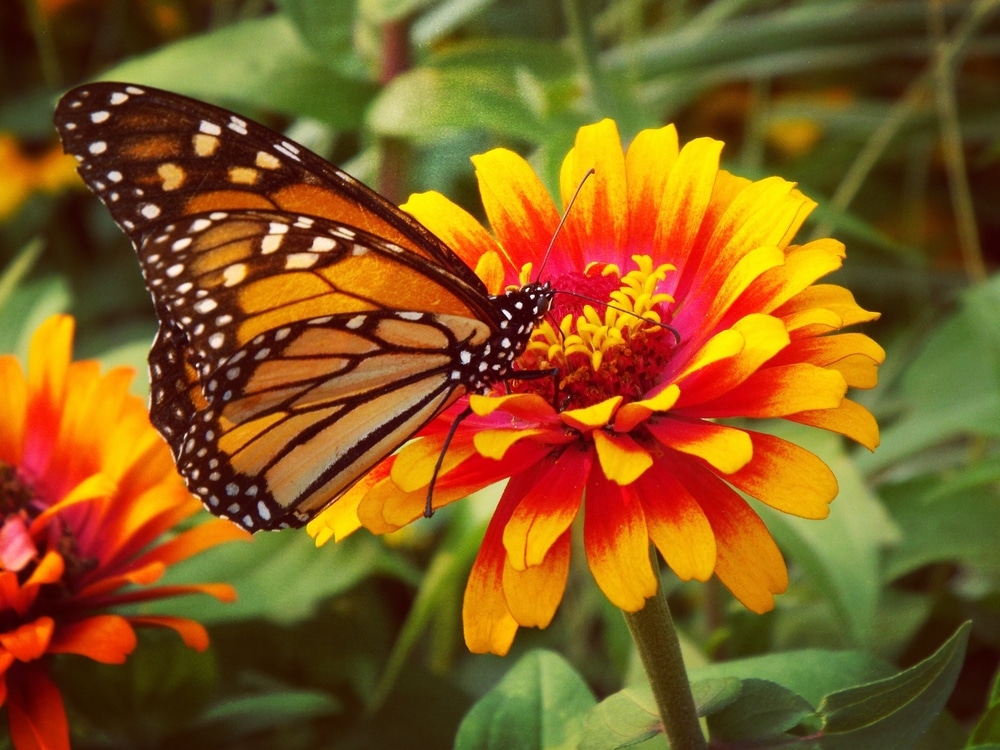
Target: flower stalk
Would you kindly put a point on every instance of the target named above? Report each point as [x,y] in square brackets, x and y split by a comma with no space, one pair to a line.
[655,638]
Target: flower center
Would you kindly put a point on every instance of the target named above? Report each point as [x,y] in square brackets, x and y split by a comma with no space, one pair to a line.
[15,494]
[620,350]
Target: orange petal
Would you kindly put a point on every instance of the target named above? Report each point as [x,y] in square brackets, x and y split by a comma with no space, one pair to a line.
[456,227]
[519,208]
[686,197]
[533,594]
[778,392]
[748,561]
[623,460]
[599,218]
[36,714]
[104,638]
[547,508]
[677,524]
[763,336]
[488,624]
[416,463]
[617,543]
[29,641]
[850,419]
[340,519]
[193,542]
[14,407]
[786,477]
[192,633]
[648,163]
[725,448]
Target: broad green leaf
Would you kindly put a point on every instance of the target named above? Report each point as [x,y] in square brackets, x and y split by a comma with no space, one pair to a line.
[254,63]
[895,711]
[811,673]
[762,712]
[539,703]
[424,102]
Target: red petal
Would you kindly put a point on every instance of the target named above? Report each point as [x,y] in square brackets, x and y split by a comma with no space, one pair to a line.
[35,711]
[547,508]
[617,543]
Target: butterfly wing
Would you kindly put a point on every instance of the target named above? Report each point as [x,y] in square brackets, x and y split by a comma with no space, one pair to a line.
[308,327]
[153,157]
[283,369]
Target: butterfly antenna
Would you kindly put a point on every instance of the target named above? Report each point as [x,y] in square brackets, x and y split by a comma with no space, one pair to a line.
[562,220]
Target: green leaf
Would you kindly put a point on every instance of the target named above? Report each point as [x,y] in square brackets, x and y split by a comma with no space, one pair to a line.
[280,577]
[895,711]
[328,28]
[952,387]
[163,686]
[811,673]
[242,716]
[254,63]
[623,719]
[763,711]
[939,526]
[987,729]
[539,703]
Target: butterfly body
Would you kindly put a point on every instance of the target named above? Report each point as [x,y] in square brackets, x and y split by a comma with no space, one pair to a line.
[308,327]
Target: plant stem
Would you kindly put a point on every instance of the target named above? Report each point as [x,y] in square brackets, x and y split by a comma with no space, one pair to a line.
[655,637]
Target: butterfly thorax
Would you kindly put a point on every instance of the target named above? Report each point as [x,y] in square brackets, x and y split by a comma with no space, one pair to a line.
[520,311]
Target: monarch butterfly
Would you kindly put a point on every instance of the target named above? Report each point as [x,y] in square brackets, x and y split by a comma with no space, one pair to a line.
[307,326]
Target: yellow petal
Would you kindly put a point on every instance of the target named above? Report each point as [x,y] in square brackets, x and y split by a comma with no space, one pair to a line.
[495,443]
[533,594]
[456,227]
[631,415]
[725,448]
[592,417]
[786,477]
[622,459]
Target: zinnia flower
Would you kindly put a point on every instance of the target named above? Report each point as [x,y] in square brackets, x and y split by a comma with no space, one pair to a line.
[87,490]
[704,311]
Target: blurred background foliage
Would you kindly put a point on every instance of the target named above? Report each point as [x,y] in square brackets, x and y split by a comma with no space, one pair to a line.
[887,113]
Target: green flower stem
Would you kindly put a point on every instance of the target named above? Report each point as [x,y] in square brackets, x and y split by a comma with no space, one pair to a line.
[655,637]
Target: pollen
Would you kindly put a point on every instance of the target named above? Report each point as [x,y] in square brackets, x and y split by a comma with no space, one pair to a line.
[616,344]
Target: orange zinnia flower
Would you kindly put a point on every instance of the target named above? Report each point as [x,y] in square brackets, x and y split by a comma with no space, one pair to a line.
[706,311]
[87,489]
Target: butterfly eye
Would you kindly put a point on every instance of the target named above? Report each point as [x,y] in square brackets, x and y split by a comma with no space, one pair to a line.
[308,327]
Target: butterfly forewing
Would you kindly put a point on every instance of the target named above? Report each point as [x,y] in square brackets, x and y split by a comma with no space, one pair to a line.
[308,327]
[151,156]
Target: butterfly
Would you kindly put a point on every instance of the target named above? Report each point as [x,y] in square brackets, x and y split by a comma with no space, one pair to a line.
[307,326]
